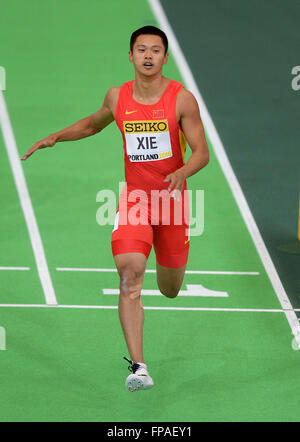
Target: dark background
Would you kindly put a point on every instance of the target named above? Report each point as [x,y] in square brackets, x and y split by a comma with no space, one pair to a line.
[241,54]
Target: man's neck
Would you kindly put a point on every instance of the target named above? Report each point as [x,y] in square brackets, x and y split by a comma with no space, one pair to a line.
[147,88]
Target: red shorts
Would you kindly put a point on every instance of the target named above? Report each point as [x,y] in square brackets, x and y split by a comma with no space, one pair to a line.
[145,218]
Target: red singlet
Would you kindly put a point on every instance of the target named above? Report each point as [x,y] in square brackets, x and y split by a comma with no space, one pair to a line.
[154,146]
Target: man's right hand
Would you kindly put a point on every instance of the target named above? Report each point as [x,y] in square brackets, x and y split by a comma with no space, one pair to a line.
[46,142]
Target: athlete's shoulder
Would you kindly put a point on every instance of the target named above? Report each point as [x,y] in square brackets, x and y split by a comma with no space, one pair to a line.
[186,102]
[113,92]
[185,96]
[111,97]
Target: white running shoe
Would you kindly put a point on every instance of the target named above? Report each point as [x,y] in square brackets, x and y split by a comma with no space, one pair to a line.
[139,379]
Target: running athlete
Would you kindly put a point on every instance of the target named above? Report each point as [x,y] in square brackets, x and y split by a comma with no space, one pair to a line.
[156,116]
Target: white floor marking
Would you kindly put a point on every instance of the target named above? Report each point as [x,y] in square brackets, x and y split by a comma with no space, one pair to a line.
[227,169]
[192,290]
[14,268]
[114,307]
[191,272]
[19,178]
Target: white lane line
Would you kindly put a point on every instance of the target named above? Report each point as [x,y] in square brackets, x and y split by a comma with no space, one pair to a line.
[227,169]
[191,272]
[114,307]
[19,178]
[203,272]
[79,269]
[192,290]
[14,268]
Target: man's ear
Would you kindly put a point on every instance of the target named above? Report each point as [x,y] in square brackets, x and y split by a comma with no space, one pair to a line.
[130,56]
[166,58]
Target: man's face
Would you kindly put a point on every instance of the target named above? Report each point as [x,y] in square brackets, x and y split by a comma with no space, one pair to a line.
[148,54]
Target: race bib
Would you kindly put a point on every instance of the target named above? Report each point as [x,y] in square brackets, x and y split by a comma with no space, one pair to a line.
[147,140]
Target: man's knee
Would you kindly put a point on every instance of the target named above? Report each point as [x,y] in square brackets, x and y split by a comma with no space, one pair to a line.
[131,279]
[171,292]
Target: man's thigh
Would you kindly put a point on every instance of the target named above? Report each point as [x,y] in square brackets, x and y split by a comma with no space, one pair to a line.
[171,245]
[131,260]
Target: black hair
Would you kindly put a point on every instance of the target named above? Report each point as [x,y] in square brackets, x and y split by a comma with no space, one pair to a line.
[149,30]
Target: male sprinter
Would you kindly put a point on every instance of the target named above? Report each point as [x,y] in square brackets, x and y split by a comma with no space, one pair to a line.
[156,117]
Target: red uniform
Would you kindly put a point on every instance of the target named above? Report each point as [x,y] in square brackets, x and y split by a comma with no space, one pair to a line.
[154,146]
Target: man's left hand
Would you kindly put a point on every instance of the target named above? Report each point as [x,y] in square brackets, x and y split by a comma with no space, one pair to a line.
[176,180]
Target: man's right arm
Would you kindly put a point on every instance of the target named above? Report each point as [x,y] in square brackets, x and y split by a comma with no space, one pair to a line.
[83,128]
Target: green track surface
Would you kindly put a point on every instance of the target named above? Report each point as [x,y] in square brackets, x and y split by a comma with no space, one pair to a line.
[63,364]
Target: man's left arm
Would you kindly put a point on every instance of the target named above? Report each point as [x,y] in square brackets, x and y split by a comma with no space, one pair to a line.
[189,118]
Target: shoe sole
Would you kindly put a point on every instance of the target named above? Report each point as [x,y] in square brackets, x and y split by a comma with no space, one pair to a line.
[136,384]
